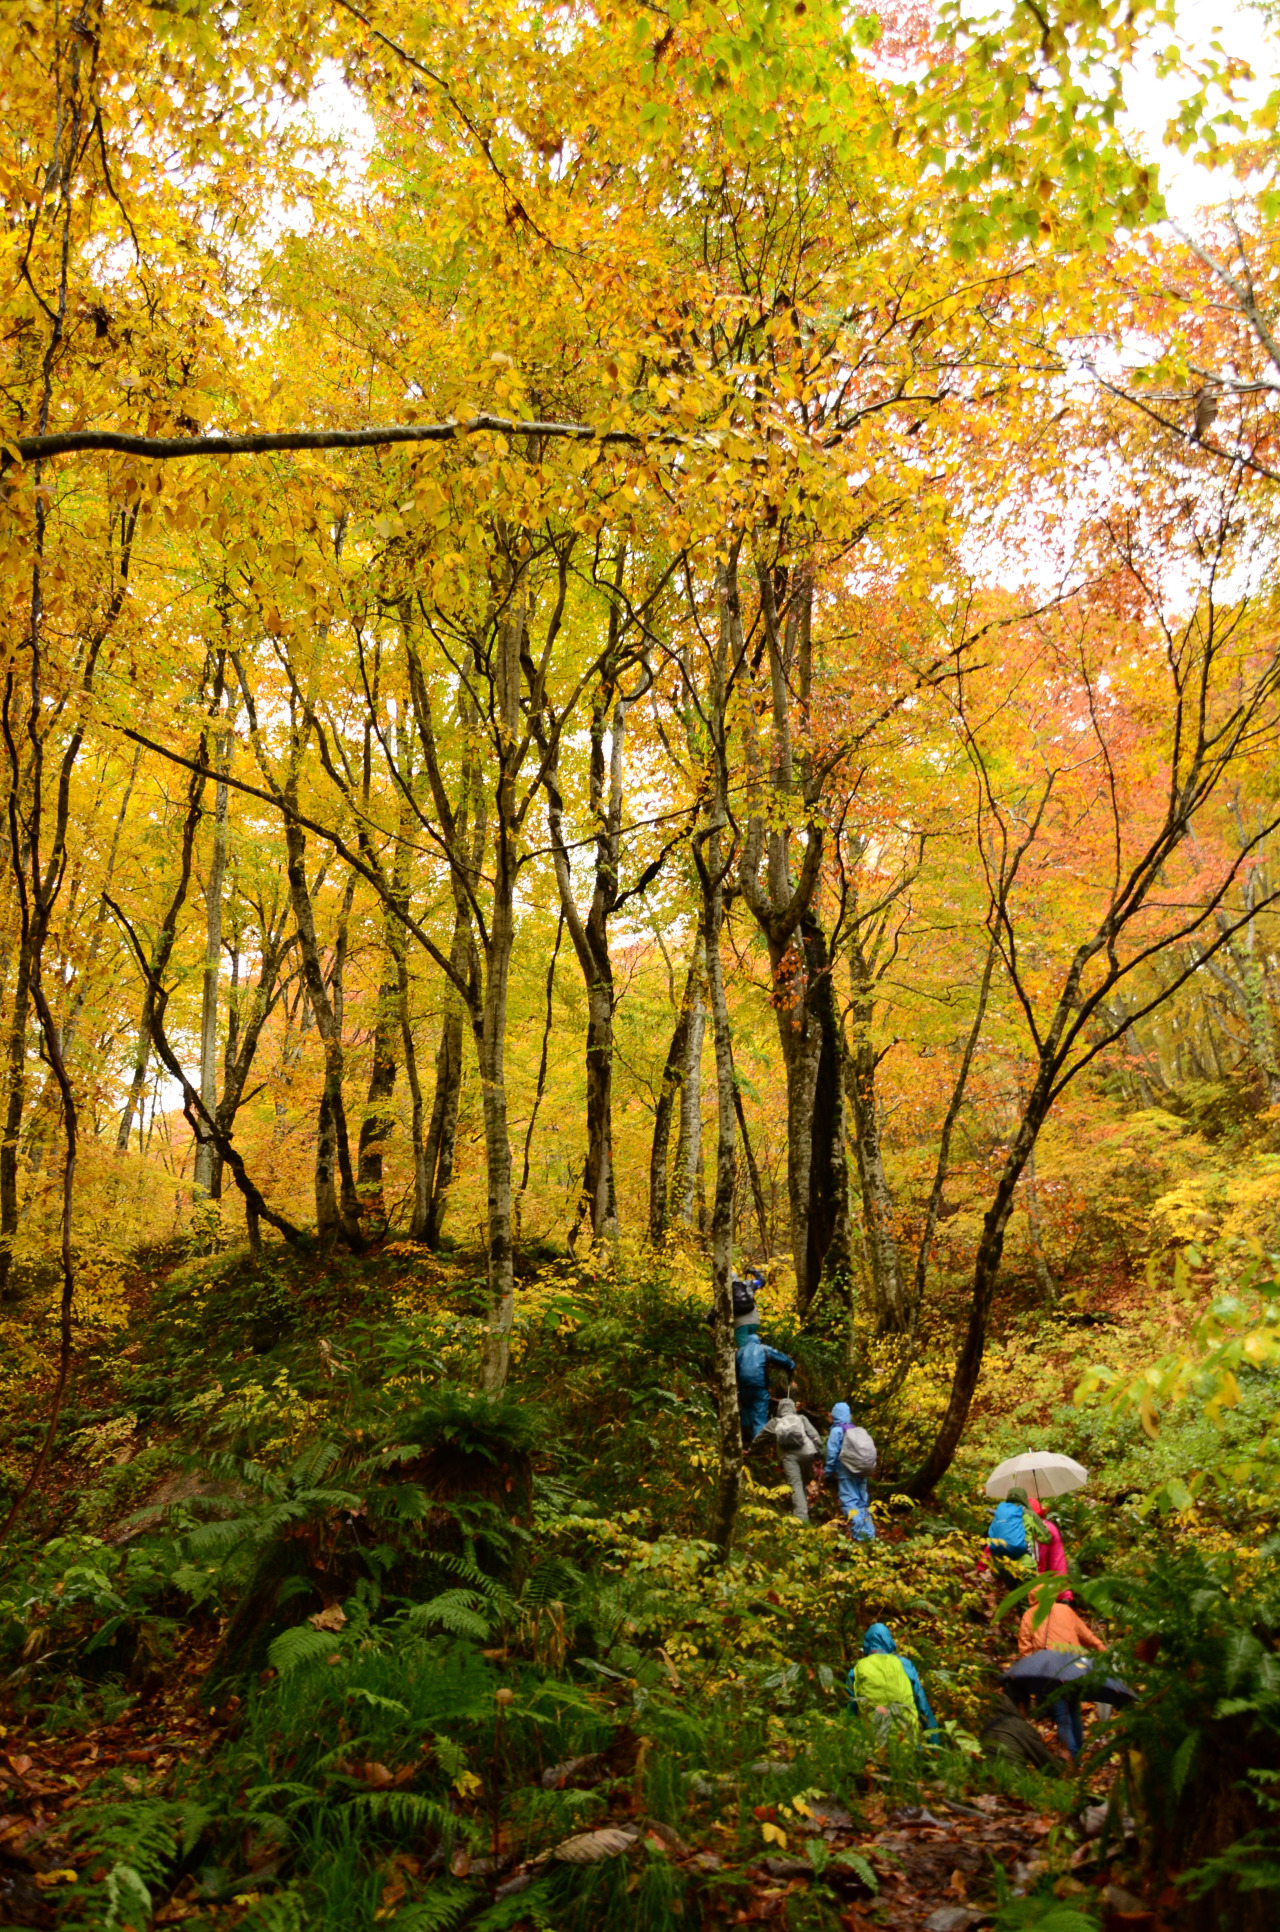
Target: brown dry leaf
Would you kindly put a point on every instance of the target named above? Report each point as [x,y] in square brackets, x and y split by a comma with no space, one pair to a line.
[377,1776]
[332,1617]
[20,1763]
[591,1847]
[958,1884]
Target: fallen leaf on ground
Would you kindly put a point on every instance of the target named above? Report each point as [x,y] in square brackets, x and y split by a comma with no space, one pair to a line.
[590,1847]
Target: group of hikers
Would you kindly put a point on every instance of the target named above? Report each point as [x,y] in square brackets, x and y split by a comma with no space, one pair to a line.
[887,1688]
[849,1455]
[1022,1543]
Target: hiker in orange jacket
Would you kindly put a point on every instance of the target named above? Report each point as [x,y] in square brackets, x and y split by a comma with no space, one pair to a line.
[1062,1629]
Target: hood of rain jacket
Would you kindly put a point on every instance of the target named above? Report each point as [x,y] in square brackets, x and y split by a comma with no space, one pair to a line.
[841,1412]
[879,1637]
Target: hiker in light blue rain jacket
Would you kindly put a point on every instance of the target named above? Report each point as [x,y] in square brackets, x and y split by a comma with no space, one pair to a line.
[853,1491]
[753,1361]
[878,1642]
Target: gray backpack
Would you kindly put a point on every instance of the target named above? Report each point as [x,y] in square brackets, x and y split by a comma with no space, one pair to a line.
[791,1435]
[857,1452]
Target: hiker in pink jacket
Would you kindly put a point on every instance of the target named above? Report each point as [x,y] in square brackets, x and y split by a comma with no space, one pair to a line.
[1050,1556]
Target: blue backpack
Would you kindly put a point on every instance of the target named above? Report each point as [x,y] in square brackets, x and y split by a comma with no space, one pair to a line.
[1008,1530]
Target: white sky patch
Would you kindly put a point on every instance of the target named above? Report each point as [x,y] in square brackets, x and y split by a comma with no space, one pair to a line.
[1241,32]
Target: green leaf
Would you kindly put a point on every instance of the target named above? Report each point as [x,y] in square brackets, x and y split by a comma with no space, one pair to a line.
[292,1648]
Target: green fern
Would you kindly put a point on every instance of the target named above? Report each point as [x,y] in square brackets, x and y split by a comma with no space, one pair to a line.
[126,1892]
[393,1707]
[406,1811]
[457,1611]
[283,1799]
[300,1645]
[445,1904]
[1042,1915]
[854,1862]
[552,1581]
[137,1842]
[533,1903]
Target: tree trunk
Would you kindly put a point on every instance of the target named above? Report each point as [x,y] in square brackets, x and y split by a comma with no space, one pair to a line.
[541,1086]
[829,1261]
[598,1192]
[713,863]
[722,1226]
[441,1141]
[419,1218]
[597,1200]
[244,1029]
[160,954]
[986,1269]
[443,1131]
[689,1139]
[206,1154]
[753,1173]
[490,1025]
[782,906]
[337,1204]
[16,1071]
[892,1312]
[376,1123]
[100,918]
[673,1074]
[491,1049]
[133,1099]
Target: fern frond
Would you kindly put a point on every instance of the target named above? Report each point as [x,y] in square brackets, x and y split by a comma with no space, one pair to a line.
[444,1905]
[533,1903]
[298,1646]
[284,1798]
[313,1464]
[405,1811]
[376,1702]
[457,1611]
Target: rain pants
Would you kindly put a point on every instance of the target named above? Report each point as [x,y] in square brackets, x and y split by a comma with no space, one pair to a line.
[797,1463]
[753,1360]
[882,1680]
[853,1491]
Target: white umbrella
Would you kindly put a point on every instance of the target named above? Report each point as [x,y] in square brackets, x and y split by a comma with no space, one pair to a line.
[1040,1473]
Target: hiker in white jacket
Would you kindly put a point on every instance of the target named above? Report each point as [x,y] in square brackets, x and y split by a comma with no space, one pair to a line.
[798,1445]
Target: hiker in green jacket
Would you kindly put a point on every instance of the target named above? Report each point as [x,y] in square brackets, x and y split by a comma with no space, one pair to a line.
[887,1687]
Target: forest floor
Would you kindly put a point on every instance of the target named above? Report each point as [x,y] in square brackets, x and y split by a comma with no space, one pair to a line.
[301,1635]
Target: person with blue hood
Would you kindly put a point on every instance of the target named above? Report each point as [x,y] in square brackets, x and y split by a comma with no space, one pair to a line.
[885,1686]
[853,1490]
[753,1359]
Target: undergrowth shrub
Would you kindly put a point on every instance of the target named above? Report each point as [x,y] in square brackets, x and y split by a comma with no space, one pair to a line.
[1202,1741]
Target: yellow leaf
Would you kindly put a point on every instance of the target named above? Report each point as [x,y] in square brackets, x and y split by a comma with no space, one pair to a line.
[774,1835]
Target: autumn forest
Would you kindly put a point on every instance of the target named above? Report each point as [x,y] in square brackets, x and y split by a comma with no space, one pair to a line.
[640,643]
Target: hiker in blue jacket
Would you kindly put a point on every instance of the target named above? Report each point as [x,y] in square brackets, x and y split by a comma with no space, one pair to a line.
[1012,1535]
[753,1361]
[853,1491]
[875,1686]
